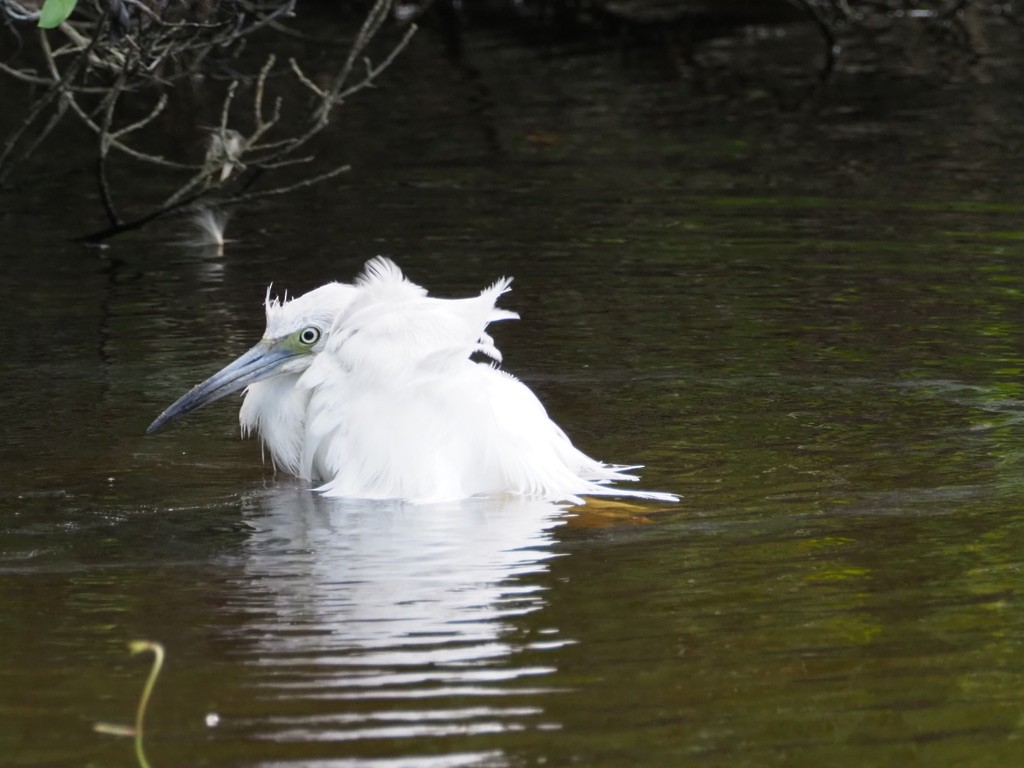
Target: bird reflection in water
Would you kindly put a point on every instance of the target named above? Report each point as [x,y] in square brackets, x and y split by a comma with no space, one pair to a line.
[389,620]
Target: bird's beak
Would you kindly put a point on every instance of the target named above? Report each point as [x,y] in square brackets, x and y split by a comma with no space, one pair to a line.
[258,363]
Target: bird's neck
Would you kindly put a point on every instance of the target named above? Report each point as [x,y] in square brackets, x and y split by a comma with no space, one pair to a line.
[275,408]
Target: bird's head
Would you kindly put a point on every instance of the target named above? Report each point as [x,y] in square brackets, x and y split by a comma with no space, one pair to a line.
[297,329]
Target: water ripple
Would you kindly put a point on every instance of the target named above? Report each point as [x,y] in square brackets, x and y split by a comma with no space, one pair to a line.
[353,611]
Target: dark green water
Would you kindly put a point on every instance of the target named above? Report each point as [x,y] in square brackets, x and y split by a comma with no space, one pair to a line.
[806,321]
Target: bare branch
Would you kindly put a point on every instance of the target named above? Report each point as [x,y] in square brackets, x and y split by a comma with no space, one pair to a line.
[55,118]
[106,136]
[374,20]
[261,83]
[306,81]
[88,71]
[139,124]
[69,99]
[27,77]
[286,189]
[373,72]
[19,12]
[34,111]
[226,106]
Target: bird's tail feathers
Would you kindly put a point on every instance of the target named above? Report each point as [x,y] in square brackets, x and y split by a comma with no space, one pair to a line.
[596,489]
[599,477]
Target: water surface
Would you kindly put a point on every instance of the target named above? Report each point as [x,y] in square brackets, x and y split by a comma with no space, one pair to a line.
[805,319]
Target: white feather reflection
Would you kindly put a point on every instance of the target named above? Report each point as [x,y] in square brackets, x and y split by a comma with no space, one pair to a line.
[377,621]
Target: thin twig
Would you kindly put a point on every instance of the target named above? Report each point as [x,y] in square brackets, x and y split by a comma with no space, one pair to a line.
[226,107]
[139,124]
[286,189]
[374,72]
[55,118]
[106,136]
[69,98]
[305,80]
[261,82]
[88,74]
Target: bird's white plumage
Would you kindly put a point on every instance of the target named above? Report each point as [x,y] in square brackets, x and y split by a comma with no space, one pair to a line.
[275,408]
[391,403]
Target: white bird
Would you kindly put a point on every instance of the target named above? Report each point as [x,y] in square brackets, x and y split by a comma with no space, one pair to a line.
[371,390]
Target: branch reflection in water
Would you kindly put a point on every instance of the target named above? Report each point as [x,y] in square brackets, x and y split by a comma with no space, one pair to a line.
[371,621]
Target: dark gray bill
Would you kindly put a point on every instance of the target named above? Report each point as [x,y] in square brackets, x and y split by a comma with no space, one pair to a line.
[258,363]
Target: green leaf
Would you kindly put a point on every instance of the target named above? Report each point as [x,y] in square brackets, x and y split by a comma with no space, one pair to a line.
[54,12]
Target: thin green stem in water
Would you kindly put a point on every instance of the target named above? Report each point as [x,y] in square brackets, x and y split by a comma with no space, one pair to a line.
[139,646]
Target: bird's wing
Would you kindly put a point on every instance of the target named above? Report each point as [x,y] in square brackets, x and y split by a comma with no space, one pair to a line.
[441,437]
[394,328]
[398,409]
[531,455]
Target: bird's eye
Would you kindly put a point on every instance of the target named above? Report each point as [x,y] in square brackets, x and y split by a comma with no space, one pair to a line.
[309,336]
